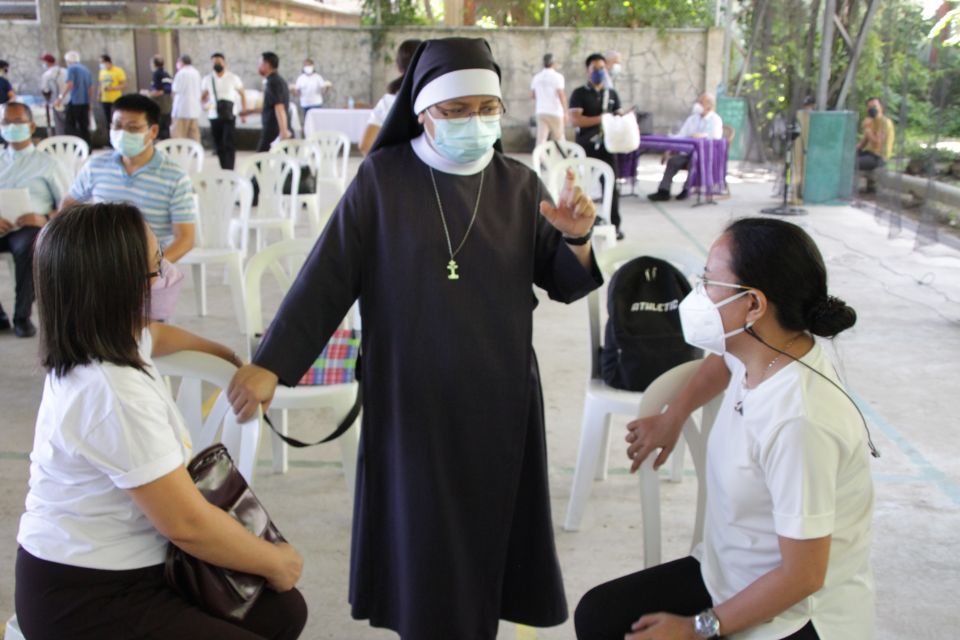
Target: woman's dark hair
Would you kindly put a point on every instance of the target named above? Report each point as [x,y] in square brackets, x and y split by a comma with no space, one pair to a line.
[90,275]
[404,55]
[780,259]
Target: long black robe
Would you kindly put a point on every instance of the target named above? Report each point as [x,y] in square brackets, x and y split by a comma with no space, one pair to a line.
[452,527]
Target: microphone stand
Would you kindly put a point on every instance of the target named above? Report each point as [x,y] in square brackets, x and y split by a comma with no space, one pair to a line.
[786,209]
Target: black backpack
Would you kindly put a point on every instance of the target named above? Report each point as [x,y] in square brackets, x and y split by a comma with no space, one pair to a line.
[643,338]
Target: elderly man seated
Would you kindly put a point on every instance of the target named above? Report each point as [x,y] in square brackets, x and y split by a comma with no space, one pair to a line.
[23,167]
[702,123]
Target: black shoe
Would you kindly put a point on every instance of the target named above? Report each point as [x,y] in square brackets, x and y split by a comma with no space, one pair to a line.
[662,195]
[683,195]
[619,234]
[24,328]
[4,322]
[599,221]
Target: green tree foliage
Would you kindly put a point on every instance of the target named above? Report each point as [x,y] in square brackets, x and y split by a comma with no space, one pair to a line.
[661,14]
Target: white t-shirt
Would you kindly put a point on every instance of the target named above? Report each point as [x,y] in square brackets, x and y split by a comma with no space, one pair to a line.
[709,125]
[310,87]
[795,464]
[228,88]
[379,114]
[101,429]
[186,93]
[545,86]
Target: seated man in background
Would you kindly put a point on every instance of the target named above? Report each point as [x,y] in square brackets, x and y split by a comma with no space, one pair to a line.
[702,123]
[23,167]
[876,144]
[140,175]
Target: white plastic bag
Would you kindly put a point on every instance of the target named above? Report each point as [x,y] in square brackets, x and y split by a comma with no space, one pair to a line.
[621,134]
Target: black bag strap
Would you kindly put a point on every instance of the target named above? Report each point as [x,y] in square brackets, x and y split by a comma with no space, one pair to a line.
[556,143]
[341,429]
[213,83]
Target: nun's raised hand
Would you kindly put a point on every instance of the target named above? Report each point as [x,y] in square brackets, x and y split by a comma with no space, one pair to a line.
[574,214]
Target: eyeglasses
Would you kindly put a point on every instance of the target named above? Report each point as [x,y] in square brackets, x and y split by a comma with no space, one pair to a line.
[159,272]
[703,282]
[487,113]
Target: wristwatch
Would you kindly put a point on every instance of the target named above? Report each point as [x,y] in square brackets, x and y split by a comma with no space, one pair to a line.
[706,624]
[581,240]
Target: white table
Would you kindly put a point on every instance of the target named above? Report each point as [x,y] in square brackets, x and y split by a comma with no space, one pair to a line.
[349,121]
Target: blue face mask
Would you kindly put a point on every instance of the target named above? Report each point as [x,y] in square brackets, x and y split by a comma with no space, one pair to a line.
[15,133]
[597,76]
[128,144]
[465,140]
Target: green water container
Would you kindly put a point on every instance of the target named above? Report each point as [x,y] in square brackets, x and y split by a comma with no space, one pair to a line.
[831,157]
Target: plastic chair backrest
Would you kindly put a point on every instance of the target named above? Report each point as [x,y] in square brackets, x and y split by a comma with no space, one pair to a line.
[335,151]
[194,368]
[71,151]
[658,396]
[687,261]
[589,171]
[284,260]
[186,153]
[546,154]
[272,171]
[306,152]
[295,125]
[219,191]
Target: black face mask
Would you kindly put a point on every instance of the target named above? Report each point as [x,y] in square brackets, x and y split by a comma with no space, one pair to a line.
[218,68]
[873,112]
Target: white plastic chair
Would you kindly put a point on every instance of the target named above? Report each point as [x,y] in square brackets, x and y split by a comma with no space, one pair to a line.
[218,193]
[546,154]
[186,153]
[589,171]
[335,152]
[296,127]
[71,151]
[656,398]
[339,398]
[602,401]
[195,368]
[308,155]
[274,211]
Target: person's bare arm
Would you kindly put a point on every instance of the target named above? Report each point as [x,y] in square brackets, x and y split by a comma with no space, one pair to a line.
[281,112]
[182,515]
[183,238]
[68,202]
[169,339]
[120,86]
[243,104]
[563,100]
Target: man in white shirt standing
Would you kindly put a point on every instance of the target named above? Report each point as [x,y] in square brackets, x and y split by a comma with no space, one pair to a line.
[702,123]
[52,83]
[310,87]
[186,100]
[547,88]
[221,92]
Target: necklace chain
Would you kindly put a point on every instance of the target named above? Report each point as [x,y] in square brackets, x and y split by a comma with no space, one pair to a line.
[452,265]
[738,407]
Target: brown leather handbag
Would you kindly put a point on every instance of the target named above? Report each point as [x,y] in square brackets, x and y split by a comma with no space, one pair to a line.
[221,592]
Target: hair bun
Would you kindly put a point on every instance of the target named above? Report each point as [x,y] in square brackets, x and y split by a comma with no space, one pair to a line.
[829,316]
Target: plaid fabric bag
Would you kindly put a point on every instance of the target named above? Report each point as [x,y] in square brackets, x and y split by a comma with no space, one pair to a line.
[337,363]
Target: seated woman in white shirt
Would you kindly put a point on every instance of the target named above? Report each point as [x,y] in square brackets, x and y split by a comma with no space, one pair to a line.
[786,545]
[404,54]
[108,486]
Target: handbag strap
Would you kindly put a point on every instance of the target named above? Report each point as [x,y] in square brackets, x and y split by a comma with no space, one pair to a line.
[213,83]
[345,424]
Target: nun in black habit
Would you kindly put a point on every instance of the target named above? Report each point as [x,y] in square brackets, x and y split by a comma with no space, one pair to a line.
[441,236]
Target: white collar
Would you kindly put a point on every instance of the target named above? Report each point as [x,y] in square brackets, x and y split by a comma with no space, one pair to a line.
[431,157]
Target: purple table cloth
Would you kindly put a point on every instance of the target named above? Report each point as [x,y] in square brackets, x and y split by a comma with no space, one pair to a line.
[708,161]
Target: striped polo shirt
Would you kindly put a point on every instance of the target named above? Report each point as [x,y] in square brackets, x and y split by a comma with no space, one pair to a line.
[160,189]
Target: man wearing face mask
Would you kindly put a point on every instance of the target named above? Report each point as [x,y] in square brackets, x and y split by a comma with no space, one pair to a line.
[139,174]
[614,68]
[310,87]
[186,100]
[587,104]
[704,122]
[876,144]
[452,527]
[223,94]
[275,113]
[113,81]
[23,167]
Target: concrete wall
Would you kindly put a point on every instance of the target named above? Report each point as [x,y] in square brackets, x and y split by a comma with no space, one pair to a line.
[663,72]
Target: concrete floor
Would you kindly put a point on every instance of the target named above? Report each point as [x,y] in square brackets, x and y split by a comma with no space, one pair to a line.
[900,361]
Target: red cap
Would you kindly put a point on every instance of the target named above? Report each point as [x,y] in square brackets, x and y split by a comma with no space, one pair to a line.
[48,58]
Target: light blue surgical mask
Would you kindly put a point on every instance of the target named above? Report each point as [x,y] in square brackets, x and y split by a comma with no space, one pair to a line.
[15,133]
[465,140]
[128,144]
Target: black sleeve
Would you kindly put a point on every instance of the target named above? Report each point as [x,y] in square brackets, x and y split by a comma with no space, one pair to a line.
[270,94]
[576,99]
